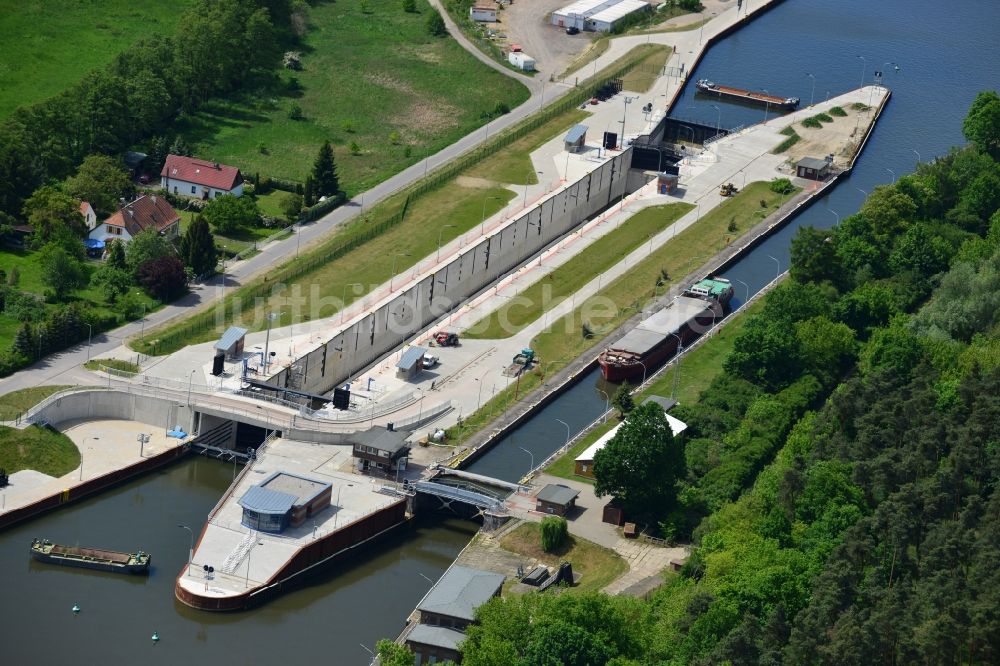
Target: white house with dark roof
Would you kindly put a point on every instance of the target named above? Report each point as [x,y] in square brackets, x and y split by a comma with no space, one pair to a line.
[146,212]
[192,177]
[89,216]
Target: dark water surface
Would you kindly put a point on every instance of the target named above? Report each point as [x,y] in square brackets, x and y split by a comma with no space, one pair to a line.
[947,52]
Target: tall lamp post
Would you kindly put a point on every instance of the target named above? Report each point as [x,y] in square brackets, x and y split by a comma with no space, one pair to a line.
[767,104]
[482,225]
[271,316]
[778,264]
[532,458]
[835,214]
[812,93]
[891,173]
[917,154]
[223,277]
[746,287]
[628,99]
[440,231]
[643,372]
[864,66]
[567,431]
[718,120]
[394,257]
[191,547]
[190,381]
[90,331]
[607,404]
[862,192]
[249,553]
[343,298]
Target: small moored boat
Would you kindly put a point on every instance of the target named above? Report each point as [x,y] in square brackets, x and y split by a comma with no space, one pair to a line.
[90,558]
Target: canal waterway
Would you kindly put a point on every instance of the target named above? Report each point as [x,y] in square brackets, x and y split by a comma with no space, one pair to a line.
[946,51]
[356,603]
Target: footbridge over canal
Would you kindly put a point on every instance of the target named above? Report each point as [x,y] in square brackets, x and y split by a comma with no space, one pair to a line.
[466,494]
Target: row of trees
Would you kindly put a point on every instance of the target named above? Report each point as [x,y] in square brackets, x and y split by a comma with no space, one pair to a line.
[871,532]
[220,47]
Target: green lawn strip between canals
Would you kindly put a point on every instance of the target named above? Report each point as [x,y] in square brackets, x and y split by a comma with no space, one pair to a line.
[40,449]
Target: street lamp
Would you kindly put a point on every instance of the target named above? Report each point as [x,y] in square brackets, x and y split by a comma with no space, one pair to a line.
[718,121]
[778,264]
[812,93]
[190,381]
[82,445]
[862,192]
[479,399]
[607,403]
[864,65]
[643,371]
[439,240]
[917,154]
[343,298]
[142,324]
[835,214]
[532,458]
[891,173]
[223,277]
[394,257]
[567,431]
[482,225]
[767,103]
[628,100]
[90,331]
[746,287]
[271,316]
[143,439]
[191,547]
[249,553]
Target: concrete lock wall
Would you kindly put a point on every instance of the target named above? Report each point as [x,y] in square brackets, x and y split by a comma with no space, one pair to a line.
[116,405]
[364,342]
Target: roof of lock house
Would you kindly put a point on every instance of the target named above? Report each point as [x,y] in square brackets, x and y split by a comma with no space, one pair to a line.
[812,163]
[461,590]
[382,439]
[556,493]
[148,211]
[201,172]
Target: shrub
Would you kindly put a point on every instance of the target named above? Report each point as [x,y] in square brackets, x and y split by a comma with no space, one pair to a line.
[554,532]
[781,186]
[837,111]
[811,122]
[295,112]
[435,24]
[823,117]
[860,106]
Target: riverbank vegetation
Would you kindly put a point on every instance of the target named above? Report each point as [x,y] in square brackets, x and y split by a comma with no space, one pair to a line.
[843,477]
[40,449]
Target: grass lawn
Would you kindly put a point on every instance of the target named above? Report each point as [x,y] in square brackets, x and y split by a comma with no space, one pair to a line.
[234,242]
[15,402]
[97,364]
[565,466]
[642,78]
[370,70]
[513,163]
[40,449]
[598,566]
[317,294]
[270,203]
[46,47]
[561,283]
[30,281]
[563,340]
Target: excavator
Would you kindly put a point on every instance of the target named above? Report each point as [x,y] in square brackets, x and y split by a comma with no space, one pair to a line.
[728,190]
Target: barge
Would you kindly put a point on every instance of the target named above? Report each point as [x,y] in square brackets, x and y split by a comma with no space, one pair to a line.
[711,88]
[90,558]
[660,336]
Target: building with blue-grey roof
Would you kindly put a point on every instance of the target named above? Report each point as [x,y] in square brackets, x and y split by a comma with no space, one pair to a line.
[576,139]
[447,609]
[283,499]
[410,363]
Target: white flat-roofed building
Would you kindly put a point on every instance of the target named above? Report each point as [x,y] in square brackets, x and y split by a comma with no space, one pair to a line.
[605,20]
[576,14]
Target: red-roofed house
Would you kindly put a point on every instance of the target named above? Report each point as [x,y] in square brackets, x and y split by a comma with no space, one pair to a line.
[191,177]
[146,212]
[89,216]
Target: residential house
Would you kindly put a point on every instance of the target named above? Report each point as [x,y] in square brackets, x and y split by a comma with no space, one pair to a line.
[147,212]
[447,609]
[89,216]
[191,177]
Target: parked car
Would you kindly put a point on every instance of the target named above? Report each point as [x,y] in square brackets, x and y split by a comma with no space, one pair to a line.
[572,30]
[430,360]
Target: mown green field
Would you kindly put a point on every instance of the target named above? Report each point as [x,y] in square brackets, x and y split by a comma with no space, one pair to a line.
[47,46]
[375,78]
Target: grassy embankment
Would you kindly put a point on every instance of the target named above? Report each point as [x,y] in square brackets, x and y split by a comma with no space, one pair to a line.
[597,565]
[561,283]
[697,370]
[39,449]
[16,402]
[47,47]
[113,363]
[430,205]
[563,340]
[642,78]
[371,76]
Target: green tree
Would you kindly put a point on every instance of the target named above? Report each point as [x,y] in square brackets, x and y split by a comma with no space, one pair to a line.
[435,24]
[61,272]
[228,214]
[765,352]
[291,206]
[114,282]
[391,653]
[47,209]
[163,277]
[623,400]
[145,246]
[889,212]
[308,198]
[116,255]
[814,257]
[149,103]
[826,347]
[324,173]
[641,464]
[23,341]
[553,531]
[197,247]
[410,6]
[982,122]
[101,181]
[921,251]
